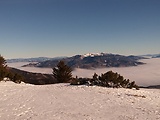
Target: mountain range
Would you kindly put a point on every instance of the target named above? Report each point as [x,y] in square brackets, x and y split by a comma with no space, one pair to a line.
[91,61]
[157,56]
[36,59]
[151,55]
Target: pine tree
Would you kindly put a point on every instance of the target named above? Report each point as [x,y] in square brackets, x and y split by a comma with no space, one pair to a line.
[2,61]
[3,71]
[95,76]
[62,72]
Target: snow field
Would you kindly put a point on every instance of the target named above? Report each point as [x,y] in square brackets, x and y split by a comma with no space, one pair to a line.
[64,102]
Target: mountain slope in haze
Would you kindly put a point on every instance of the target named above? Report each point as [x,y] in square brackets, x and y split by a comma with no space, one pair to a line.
[89,61]
[157,56]
[37,59]
[151,55]
[34,78]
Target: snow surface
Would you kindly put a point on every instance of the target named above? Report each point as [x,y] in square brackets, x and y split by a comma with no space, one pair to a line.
[66,102]
[144,75]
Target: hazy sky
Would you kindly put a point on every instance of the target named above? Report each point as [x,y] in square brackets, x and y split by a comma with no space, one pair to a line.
[33,28]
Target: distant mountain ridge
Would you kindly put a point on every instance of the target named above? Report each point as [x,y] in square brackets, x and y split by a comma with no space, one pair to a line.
[157,56]
[93,60]
[36,59]
[151,55]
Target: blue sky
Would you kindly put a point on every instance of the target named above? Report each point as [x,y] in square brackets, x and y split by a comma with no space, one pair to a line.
[34,28]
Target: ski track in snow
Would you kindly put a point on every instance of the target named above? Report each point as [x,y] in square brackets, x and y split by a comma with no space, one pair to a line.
[65,102]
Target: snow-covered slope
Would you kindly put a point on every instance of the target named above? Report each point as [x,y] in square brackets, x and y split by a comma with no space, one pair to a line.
[93,54]
[65,102]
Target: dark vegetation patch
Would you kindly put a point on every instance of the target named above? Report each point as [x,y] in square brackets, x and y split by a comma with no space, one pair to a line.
[35,78]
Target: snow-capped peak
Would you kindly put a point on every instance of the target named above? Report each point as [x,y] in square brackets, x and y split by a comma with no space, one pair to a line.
[93,54]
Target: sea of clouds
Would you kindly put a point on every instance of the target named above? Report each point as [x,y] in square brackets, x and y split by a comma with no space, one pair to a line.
[144,75]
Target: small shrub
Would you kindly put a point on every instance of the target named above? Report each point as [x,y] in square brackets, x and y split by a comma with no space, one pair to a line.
[108,79]
[79,81]
[17,78]
[115,80]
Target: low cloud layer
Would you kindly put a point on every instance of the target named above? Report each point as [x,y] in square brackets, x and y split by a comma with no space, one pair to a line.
[145,75]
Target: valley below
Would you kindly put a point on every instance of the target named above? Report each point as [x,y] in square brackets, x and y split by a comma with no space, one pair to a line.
[144,75]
